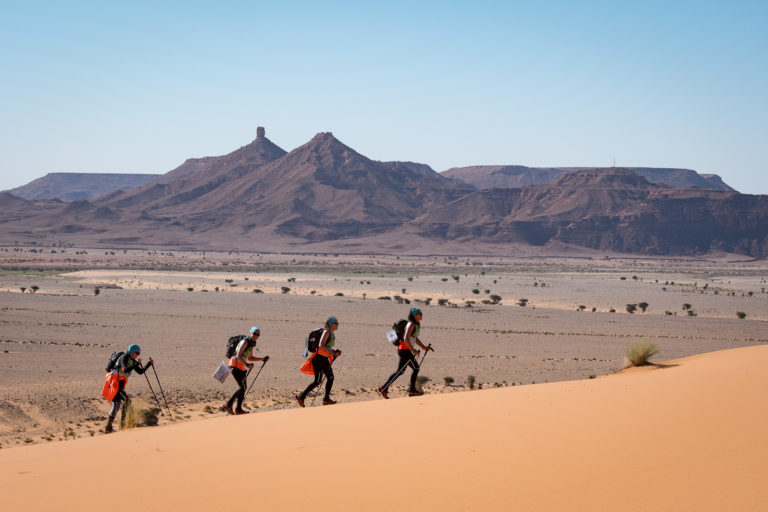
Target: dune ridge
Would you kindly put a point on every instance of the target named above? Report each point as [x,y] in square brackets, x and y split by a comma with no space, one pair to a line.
[684,435]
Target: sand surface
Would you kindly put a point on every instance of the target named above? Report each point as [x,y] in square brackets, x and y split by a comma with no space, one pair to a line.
[685,435]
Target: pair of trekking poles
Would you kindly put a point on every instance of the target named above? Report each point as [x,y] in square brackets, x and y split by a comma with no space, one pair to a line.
[161,391]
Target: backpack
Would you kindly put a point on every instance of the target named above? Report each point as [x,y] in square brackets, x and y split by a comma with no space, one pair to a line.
[313,341]
[113,360]
[399,328]
[232,344]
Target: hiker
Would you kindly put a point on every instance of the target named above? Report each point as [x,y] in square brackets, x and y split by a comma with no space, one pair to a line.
[124,365]
[321,361]
[239,362]
[407,354]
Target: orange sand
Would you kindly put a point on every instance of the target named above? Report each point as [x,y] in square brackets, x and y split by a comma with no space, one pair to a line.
[691,435]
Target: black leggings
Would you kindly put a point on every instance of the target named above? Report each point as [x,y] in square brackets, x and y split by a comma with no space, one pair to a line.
[241,377]
[406,359]
[117,401]
[322,366]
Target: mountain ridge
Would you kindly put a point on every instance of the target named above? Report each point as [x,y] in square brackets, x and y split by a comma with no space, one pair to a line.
[324,195]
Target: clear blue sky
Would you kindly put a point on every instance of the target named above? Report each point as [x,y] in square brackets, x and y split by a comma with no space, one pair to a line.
[139,86]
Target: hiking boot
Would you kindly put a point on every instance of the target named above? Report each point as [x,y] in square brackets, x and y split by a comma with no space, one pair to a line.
[228,408]
[300,400]
[415,392]
[108,429]
[240,412]
[383,392]
[328,401]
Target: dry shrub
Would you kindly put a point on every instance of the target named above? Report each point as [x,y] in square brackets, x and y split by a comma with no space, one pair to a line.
[140,414]
[639,352]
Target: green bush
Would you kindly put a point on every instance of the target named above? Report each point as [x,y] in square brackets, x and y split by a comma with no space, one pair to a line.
[639,352]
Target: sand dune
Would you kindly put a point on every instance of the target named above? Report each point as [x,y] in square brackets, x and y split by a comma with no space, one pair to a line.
[686,435]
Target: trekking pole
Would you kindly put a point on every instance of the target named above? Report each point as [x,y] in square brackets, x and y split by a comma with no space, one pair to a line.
[153,394]
[254,379]
[161,389]
[429,347]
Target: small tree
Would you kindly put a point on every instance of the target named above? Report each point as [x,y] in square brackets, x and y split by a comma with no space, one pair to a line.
[495,298]
[34,288]
[285,289]
[471,381]
[581,307]
[442,302]
[742,315]
[23,289]
[522,302]
[631,308]
[448,381]
[643,306]
[686,306]
[96,290]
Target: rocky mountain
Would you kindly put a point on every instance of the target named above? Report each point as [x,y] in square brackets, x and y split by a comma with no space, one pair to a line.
[609,210]
[516,176]
[73,186]
[325,196]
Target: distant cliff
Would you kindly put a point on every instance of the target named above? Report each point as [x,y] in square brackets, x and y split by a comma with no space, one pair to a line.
[74,186]
[515,176]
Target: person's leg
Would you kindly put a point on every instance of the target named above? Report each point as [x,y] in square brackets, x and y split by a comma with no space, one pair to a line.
[403,358]
[328,383]
[242,381]
[239,375]
[317,366]
[415,366]
[116,403]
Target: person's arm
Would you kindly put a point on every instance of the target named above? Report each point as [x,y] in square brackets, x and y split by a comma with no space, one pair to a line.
[141,369]
[323,349]
[410,339]
[240,356]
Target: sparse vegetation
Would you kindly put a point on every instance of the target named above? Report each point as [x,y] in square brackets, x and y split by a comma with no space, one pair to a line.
[34,288]
[741,315]
[522,302]
[631,308]
[442,302]
[448,381]
[643,306]
[284,289]
[639,352]
[471,381]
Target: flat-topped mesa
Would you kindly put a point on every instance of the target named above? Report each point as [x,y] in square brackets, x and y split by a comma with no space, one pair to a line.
[260,132]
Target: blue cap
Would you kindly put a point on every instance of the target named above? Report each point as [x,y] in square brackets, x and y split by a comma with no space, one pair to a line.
[332,320]
[415,311]
[255,329]
[132,349]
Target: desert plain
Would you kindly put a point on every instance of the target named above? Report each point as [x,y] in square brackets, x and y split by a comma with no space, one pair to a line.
[518,343]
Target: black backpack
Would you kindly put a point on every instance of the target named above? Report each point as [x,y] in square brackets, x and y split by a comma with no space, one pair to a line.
[313,341]
[399,328]
[113,360]
[233,342]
